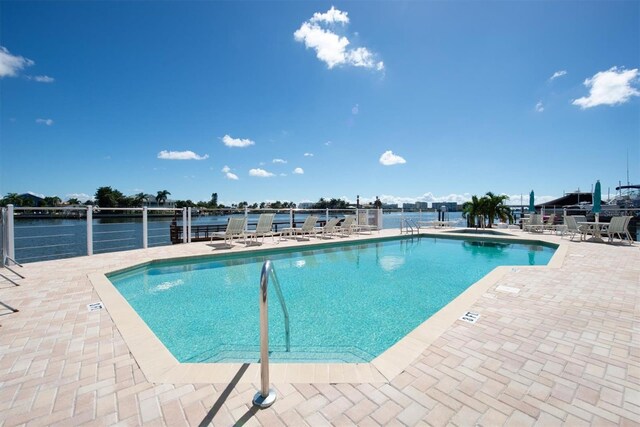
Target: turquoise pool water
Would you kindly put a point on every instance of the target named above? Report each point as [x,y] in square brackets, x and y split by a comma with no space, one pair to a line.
[346,303]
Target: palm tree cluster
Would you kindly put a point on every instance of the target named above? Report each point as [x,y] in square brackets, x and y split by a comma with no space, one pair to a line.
[481,212]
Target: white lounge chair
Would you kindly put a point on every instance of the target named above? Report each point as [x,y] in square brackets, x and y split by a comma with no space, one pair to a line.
[549,224]
[329,229]
[347,227]
[363,223]
[572,227]
[535,224]
[263,228]
[307,229]
[619,226]
[235,228]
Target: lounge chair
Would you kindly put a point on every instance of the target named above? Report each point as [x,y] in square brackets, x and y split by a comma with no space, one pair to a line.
[550,224]
[329,229]
[348,226]
[535,224]
[235,228]
[307,228]
[263,228]
[619,226]
[572,227]
[363,223]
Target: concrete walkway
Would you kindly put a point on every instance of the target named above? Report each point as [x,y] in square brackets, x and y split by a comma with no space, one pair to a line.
[565,349]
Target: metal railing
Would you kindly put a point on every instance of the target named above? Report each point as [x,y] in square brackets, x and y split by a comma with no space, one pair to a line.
[31,234]
[266,396]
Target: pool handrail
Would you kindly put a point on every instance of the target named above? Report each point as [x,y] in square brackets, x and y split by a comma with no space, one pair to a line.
[266,396]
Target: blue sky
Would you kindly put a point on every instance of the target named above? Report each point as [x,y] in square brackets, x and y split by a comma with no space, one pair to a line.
[260,101]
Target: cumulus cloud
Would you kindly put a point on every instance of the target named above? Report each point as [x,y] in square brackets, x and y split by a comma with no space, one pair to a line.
[180,155]
[308,154]
[83,197]
[388,159]
[47,122]
[279,161]
[236,142]
[10,65]
[226,170]
[298,171]
[558,74]
[319,33]
[611,87]
[260,173]
[539,107]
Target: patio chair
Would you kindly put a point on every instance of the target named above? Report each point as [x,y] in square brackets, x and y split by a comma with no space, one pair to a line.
[347,227]
[572,227]
[235,228]
[535,224]
[263,228]
[619,226]
[550,224]
[307,228]
[363,223]
[329,229]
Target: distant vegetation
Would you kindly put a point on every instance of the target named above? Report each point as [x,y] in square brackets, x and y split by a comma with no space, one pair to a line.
[108,197]
[481,212]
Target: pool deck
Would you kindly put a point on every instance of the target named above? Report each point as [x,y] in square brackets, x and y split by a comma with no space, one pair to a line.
[553,345]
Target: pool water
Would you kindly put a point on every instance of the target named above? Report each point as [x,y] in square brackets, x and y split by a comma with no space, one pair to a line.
[346,303]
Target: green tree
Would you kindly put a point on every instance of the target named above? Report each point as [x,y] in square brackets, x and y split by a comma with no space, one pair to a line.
[73,201]
[214,200]
[107,197]
[494,207]
[472,211]
[161,197]
[11,199]
[140,199]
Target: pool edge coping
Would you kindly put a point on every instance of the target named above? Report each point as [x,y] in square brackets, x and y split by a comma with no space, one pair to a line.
[160,366]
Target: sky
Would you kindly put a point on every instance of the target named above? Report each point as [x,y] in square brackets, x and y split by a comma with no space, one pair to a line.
[293,101]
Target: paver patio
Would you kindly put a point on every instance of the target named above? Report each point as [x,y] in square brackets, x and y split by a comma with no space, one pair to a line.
[565,349]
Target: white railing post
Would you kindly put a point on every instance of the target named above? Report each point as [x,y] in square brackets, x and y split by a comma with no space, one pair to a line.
[189,224]
[379,219]
[90,230]
[326,216]
[10,233]
[145,229]
[290,217]
[184,225]
[246,218]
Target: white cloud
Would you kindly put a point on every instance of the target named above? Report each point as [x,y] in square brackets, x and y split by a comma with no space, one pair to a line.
[10,64]
[283,174]
[539,107]
[83,197]
[47,122]
[328,143]
[44,79]
[298,171]
[610,87]
[236,142]
[226,170]
[388,159]
[260,173]
[331,48]
[308,154]
[355,109]
[558,74]
[279,161]
[180,155]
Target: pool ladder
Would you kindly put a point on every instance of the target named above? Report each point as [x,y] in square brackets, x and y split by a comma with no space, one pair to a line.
[408,224]
[266,396]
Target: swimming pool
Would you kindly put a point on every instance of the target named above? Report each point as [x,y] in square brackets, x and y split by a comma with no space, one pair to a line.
[346,303]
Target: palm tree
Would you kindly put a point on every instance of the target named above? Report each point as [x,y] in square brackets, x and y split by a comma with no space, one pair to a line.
[73,201]
[494,207]
[161,197]
[472,210]
[140,199]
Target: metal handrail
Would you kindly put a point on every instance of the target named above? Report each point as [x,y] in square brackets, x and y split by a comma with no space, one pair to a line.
[408,225]
[266,396]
